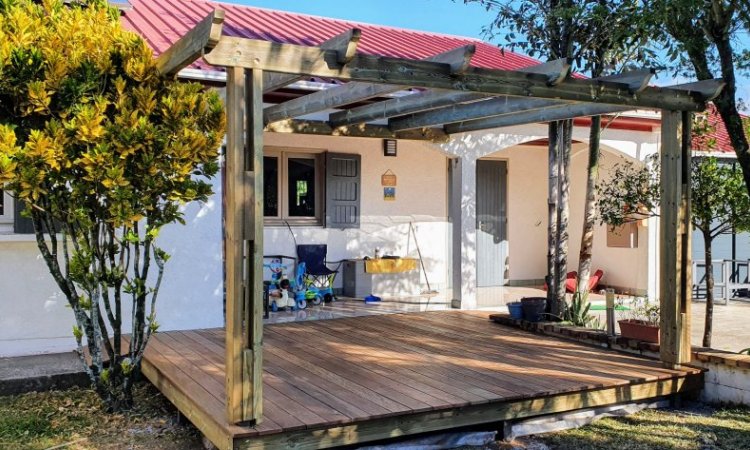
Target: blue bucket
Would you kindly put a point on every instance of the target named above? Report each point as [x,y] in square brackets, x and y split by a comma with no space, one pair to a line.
[515,310]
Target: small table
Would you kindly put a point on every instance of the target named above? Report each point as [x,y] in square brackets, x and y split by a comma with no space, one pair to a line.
[390,265]
[383,277]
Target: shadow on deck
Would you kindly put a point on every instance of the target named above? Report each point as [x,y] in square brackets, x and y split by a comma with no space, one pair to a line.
[346,381]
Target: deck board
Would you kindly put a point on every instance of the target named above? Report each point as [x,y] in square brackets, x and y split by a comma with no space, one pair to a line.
[360,373]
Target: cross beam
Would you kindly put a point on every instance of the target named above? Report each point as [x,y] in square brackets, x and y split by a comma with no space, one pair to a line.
[635,81]
[319,127]
[553,113]
[203,37]
[555,71]
[345,44]
[313,61]
[457,60]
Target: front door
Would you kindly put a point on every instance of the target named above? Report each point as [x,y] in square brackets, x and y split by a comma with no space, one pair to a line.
[492,224]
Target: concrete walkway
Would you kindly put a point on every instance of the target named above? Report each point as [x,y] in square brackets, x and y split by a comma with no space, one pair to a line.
[731,325]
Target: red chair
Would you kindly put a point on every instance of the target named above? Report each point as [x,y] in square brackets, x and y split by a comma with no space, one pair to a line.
[595,279]
[571,280]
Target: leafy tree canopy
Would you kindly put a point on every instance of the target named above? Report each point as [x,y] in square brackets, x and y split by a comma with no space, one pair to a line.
[103,150]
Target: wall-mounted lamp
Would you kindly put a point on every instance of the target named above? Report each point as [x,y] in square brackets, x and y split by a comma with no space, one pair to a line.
[390,147]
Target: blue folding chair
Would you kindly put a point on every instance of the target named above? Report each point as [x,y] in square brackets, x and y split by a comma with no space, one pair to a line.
[317,275]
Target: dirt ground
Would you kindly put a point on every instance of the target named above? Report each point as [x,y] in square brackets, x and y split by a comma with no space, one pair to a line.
[74,420]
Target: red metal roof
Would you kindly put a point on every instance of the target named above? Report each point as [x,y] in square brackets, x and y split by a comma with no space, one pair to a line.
[162,22]
[719,134]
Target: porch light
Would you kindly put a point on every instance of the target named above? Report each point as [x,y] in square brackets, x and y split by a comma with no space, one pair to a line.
[389,147]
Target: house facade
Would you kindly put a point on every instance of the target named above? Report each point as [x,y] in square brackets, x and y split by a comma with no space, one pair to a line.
[492,182]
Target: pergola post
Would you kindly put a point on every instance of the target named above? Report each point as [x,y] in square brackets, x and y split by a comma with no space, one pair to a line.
[675,277]
[252,382]
[243,229]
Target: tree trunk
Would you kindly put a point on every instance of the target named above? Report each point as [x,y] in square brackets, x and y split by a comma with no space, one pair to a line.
[589,214]
[718,30]
[563,213]
[551,278]
[708,328]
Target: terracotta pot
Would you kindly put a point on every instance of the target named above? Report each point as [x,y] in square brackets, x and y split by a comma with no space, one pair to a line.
[639,329]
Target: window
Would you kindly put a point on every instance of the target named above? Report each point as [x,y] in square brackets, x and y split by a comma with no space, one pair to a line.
[311,188]
[6,208]
[624,236]
[293,187]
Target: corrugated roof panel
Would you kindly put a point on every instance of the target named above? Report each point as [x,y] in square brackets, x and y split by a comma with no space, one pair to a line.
[719,134]
[162,22]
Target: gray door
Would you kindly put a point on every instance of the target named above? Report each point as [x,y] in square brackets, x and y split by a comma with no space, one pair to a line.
[492,223]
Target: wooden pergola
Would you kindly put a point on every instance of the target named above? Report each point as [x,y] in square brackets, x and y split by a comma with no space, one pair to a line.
[453,97]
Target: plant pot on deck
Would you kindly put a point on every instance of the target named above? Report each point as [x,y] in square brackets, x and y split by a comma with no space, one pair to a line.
[640,330]
[515,310]
[533,308]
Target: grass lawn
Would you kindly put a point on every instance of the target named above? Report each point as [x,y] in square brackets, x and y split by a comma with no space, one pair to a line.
[73,420]
[696,426]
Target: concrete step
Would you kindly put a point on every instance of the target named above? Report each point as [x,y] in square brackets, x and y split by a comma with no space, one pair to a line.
[41,373]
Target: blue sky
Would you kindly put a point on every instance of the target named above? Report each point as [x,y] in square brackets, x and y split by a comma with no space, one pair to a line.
[442,16]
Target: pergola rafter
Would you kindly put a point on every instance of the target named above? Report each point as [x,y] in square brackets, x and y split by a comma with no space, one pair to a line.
[458,98]
[314,61]
[457,60]
[345,46]
[555,71]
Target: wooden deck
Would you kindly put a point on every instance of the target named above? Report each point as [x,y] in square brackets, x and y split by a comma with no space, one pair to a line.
[345,381]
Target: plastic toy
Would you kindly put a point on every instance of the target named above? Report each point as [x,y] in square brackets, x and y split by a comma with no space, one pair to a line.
[281,287]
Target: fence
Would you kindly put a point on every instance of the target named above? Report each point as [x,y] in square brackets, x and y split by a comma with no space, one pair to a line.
[731,279]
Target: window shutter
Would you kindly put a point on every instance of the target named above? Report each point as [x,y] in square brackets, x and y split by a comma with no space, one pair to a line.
[343,188]
[21,224]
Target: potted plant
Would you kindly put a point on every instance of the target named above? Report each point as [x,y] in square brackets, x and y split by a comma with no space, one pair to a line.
[515,310]
[643,321]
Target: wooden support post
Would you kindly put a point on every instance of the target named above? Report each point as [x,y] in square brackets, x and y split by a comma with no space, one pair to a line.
[235,203]
[253,354]
[675,272]
[244,245]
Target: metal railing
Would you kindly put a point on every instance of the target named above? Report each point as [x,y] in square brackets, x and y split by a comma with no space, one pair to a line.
[731,282]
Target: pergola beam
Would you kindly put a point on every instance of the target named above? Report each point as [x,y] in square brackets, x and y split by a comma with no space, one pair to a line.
[634,81]
[707,89]
[555,71]
[360,130]
[422,101]
[314,61]
[470,111]
[345,45]
[535,116]
[202,38]
[457,61]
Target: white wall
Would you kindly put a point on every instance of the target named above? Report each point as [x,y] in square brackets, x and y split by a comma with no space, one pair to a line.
[421,198]
[34,317]
[527,220]
[527,208]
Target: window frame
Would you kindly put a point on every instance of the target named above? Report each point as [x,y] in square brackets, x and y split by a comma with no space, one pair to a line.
[7,216]
[283,154]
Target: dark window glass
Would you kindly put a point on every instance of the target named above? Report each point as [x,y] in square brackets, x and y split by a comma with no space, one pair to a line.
[271,186]
[2,203]
[301,187]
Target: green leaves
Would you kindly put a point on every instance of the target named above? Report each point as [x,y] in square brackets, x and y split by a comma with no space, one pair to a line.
[718,195]
[106,150]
